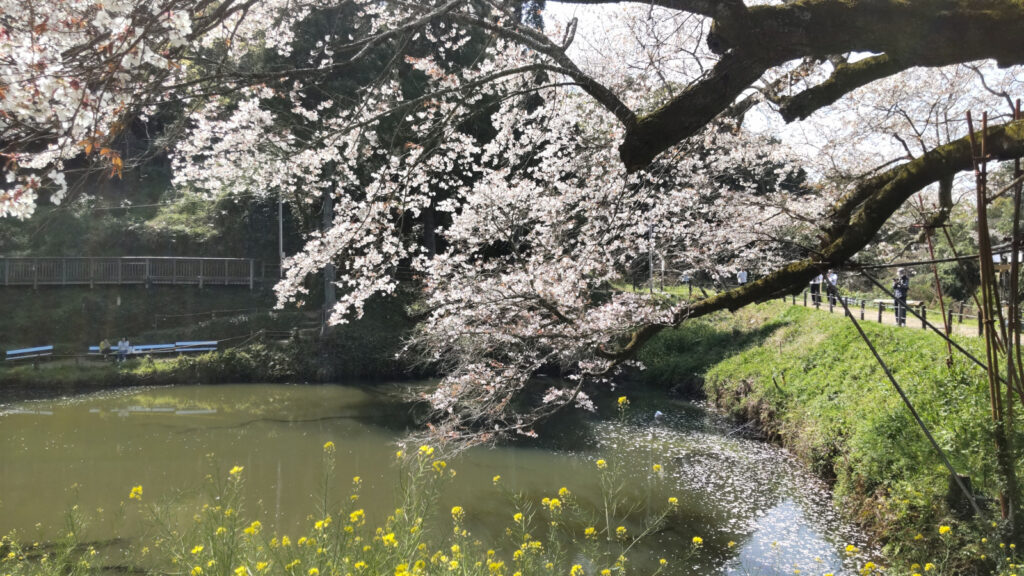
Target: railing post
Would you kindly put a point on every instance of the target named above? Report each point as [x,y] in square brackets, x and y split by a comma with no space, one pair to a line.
[924,317]
[146,279]
[252,269]
[202,270]
[174,270]
[35,274]
[225,271]
[120,270]
[805,298]
[862,303]
[7,268]
[64,271]
[881,306]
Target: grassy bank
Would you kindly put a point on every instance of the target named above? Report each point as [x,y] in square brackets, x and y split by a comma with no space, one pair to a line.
[808,380]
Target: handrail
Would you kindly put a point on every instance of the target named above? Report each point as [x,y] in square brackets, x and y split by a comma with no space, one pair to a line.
[120,270]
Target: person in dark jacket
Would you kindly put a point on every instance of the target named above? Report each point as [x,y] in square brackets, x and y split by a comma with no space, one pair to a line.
[900,289]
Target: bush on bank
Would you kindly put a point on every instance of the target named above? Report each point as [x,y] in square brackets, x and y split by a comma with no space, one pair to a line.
[807,379]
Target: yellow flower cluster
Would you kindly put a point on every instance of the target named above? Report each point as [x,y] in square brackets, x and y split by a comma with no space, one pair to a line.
[136,493]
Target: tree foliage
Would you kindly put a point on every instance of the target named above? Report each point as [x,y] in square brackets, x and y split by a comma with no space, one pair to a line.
[542,167]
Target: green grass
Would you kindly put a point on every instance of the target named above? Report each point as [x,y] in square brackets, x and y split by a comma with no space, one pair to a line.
[808,380]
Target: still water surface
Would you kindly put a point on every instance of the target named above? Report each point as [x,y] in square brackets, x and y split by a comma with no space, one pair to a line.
[91,449]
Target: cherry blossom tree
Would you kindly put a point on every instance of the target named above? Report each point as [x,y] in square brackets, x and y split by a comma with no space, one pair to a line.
[548,155]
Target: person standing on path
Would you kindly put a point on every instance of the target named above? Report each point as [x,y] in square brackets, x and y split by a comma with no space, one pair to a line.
[833,286]
[900,289]
[816,290]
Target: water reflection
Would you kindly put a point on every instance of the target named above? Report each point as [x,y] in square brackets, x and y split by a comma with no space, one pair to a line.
[731,489]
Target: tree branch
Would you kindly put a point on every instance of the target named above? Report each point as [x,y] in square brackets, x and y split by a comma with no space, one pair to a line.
[845,78]
[869,205]
[921,33]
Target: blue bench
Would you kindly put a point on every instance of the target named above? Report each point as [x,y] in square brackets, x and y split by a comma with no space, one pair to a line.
[24,353]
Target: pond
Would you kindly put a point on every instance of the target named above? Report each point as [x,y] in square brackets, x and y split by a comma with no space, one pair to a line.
[756,509]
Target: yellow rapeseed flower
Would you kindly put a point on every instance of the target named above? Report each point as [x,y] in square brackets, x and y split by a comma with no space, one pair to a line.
[576,570]
[360,565]
[241,571]
[563,492]
[656,468]
[253,528]
[236,471]
[673,501]
[458,513]
[623,401]
[929,567]
[329,447]
[944,529]
[496,479]
[620,531]
[426,450]
[698,541]
[136,493]
[197,550]
[197,570]
[357,517]
[517,517]
[601,464]
[314,572]
[389,539]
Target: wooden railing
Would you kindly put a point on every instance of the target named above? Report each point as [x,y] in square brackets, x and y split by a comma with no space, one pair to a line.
[144,270]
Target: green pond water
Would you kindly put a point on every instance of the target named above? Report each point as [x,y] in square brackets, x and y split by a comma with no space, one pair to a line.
[91,449]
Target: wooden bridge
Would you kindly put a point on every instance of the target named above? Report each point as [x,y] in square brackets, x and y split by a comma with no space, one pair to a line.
[144,270]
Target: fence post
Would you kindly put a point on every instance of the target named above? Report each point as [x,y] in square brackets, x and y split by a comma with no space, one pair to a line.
[924,316]
[63,271]
[35,274]
[147,272]
[805,298]
[252,268]
[862,303]
[881,306]
[961,313]
[7,267]
[950,322]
